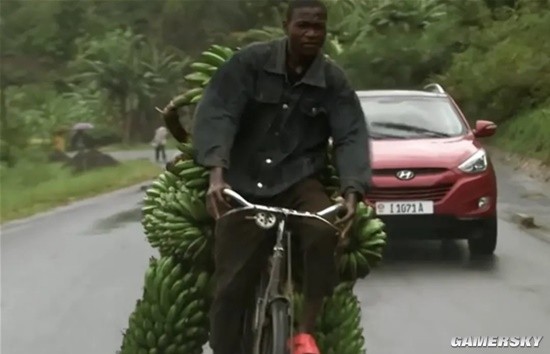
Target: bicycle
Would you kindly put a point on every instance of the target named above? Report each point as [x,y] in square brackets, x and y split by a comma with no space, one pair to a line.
[268,326]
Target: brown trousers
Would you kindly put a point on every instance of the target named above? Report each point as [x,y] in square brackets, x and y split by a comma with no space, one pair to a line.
[242,249]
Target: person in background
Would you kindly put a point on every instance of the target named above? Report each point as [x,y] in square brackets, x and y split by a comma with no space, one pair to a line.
[58,140]
[81,140]
[159,143]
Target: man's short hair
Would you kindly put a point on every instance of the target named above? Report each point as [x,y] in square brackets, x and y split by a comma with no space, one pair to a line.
[298,4]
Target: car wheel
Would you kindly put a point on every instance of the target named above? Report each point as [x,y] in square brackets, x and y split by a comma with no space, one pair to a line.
[484,240]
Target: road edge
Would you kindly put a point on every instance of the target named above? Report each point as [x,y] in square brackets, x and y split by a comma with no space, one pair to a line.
[73,205]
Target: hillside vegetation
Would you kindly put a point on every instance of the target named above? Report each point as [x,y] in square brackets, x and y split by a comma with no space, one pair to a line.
[111,62]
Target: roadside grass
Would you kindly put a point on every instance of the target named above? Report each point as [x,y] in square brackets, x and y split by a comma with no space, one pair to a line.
[30,188]
[126,147]
[527,134]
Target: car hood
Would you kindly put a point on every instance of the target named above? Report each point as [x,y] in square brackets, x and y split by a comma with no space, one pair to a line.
[422,153]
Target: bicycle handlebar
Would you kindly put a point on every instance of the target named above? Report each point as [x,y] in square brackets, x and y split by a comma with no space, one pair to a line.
[245,203]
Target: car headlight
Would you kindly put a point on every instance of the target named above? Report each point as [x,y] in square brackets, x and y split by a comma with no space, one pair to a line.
[475,163]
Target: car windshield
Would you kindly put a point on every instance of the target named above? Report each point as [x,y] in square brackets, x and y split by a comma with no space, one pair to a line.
[411,117]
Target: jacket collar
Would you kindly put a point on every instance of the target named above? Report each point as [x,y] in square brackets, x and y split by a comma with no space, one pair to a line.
[276,63]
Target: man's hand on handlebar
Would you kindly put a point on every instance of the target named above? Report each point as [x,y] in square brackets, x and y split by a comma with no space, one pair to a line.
[350,204]
[216,204]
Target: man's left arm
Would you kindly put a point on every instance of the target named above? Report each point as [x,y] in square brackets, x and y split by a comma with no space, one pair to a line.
[351,143]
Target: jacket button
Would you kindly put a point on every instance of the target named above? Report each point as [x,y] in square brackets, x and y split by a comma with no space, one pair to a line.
[285,106]
[260,185]
[268,161]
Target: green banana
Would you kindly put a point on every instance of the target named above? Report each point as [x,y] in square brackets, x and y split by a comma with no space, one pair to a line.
[200,251]
[190,309]
[200,182]
[188,279]
[176,289]
[204,68]
[161,187]
[212,59]
[171,314]
[202,280]
[192,173]
[140,336]
[362,265]
[373,227]
[197,98]
[165,294]
[376,241]
[156,313]
[353,266]
[163,341]
[151,341]
[193,247]
[182,100]
[223,52]
[153,192]
[197,77]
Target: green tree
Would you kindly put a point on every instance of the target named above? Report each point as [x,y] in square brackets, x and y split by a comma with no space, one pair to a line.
[130,69]
[505,69]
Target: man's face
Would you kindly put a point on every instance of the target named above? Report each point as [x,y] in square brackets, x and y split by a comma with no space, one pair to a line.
[306,31]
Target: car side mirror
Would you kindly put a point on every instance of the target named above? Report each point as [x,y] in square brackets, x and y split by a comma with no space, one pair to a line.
[485,128]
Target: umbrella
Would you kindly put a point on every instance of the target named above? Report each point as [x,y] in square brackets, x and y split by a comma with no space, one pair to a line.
[83,126]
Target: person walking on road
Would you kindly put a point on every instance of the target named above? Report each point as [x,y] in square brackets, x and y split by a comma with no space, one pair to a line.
[159,143]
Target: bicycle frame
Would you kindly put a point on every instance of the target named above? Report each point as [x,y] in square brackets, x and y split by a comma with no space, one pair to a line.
[267,218]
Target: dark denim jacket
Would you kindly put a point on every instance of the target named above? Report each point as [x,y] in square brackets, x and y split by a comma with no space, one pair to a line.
[269,134]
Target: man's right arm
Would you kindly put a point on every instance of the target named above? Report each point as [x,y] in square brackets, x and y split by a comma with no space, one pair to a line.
[218,113]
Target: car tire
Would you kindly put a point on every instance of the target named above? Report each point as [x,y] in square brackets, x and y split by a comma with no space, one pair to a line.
[484,240]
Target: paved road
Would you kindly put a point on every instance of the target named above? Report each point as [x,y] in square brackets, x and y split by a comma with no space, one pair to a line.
[69,279]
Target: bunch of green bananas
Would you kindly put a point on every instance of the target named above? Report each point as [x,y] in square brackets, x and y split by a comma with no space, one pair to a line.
[367,237]
[367,240]
[338,329]
[209,62]
[172,314]
[174,213]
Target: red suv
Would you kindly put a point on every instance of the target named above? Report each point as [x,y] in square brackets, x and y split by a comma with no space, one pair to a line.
[432,178]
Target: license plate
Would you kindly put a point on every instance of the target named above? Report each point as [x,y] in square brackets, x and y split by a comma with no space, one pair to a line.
[407,207]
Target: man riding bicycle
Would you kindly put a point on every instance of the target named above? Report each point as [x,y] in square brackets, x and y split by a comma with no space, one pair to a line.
[262,127]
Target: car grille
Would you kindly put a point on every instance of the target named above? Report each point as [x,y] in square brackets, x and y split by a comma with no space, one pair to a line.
[434,193]
[417,171]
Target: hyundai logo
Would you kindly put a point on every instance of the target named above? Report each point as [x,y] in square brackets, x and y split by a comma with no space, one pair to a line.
[405,175]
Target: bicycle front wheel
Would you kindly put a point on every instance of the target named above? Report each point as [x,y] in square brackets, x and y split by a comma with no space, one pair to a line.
[277,331]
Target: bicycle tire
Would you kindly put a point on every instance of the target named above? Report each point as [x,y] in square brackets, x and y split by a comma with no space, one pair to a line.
[247,330]
[277,332]
[247,334]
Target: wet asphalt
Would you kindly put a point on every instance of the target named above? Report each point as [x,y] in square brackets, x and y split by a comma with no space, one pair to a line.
[70,279]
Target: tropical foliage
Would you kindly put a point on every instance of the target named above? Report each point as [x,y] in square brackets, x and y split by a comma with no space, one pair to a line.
[112,62]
